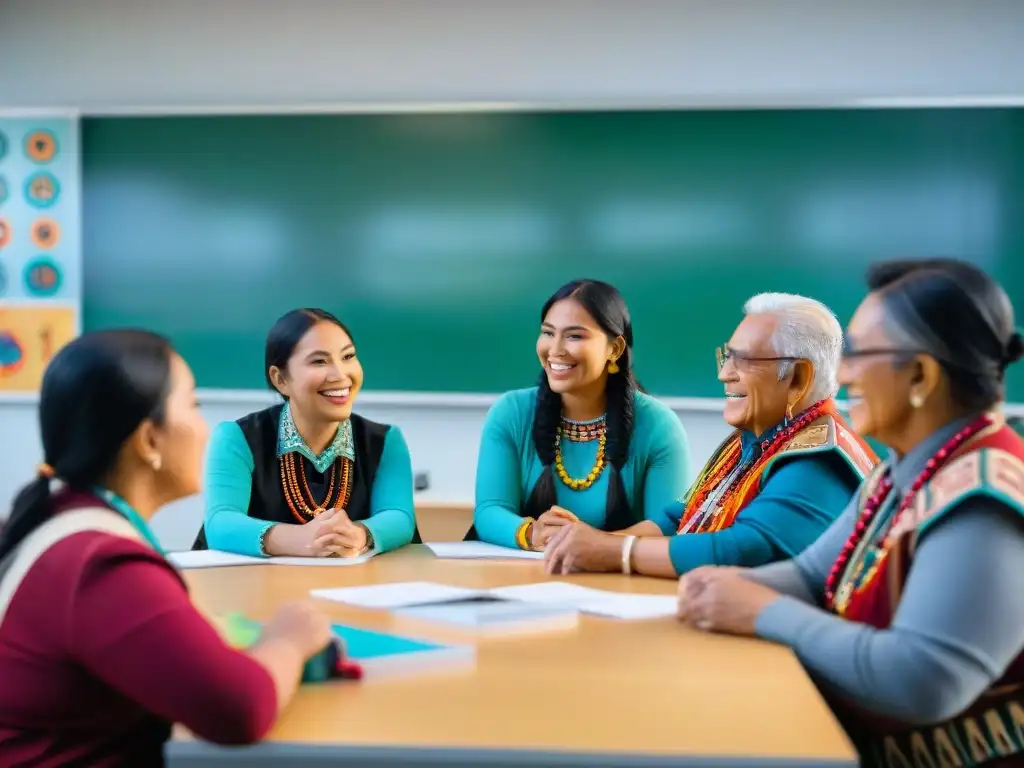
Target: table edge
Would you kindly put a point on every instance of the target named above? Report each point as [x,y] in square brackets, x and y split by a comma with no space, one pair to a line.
[278,750]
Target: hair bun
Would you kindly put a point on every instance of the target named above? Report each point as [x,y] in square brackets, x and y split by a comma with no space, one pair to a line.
[1014,348]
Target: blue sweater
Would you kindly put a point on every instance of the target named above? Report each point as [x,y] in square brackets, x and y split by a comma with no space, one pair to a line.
[654,476]
[800,498]
[229,469]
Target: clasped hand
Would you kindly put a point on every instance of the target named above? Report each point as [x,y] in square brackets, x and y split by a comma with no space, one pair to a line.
[714,599]
[333,534]
[548,524]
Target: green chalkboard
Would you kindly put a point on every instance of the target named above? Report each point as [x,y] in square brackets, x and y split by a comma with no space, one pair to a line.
[438,237]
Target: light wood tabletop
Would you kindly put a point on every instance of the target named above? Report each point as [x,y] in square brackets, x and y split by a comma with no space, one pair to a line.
[440,520]
[651,689]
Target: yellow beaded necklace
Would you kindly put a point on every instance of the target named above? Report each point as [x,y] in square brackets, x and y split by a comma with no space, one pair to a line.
[581,432]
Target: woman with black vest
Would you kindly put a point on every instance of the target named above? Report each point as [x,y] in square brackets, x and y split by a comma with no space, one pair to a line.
[309,477]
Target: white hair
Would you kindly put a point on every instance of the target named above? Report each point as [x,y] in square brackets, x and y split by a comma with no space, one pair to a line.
[806,329]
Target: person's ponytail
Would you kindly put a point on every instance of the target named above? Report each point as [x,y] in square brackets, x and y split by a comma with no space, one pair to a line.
[32,507]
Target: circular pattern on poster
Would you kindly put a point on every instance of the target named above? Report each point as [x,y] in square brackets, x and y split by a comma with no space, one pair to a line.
[45,234]
[5,232]
[12,356]
[42,277]
[41,146]
[42,190]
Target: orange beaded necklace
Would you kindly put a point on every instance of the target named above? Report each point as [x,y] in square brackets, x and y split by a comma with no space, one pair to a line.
[297,491]
[338,459]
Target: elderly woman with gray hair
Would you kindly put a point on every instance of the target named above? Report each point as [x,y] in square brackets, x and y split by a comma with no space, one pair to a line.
[908,610]
[778,480]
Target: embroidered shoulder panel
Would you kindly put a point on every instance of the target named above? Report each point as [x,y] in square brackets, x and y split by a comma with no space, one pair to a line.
[986,471]
[813,437]
[827,434]
[817,436]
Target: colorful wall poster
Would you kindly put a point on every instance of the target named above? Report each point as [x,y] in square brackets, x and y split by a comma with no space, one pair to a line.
[29,338]
[40,243]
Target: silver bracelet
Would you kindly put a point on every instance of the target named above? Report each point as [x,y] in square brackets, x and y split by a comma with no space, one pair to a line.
[627,554]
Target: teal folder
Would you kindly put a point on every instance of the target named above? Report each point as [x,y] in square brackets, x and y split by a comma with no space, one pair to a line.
[376,652]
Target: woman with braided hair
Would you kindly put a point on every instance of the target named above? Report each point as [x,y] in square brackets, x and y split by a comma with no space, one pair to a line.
[584,444]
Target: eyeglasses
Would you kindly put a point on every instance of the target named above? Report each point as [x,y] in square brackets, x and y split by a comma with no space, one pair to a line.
[725,354]
[850,353]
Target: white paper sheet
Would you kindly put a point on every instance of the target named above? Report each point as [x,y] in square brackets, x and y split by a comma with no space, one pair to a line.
[212,558]
[549,592]
[334,562]
[398,595]
[479,550]
[596,602]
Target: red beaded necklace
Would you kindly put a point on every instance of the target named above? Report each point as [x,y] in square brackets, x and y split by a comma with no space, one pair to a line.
[726,461]
[881,493]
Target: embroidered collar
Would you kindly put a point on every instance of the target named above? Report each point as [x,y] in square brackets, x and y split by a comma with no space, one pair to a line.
[290,441]
[750,444]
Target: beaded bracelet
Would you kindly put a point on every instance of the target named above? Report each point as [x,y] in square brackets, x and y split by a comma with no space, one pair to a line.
[522,541]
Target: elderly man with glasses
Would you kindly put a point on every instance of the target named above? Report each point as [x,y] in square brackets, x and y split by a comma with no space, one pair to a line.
[776,483]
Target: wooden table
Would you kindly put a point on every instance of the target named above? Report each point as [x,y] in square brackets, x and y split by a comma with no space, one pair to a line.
[443,520]
[605,693]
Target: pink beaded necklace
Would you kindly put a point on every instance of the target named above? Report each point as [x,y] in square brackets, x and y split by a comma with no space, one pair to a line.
[881,493]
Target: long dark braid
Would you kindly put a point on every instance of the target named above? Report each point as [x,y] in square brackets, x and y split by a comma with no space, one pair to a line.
[546,420]
[622,389]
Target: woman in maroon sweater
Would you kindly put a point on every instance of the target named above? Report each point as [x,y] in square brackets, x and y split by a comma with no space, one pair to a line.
[101,649]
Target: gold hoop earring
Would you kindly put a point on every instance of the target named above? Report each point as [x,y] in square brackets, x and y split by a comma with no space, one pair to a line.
[613,367]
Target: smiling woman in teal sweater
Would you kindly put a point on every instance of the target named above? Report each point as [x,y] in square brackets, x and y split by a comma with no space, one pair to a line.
[309,477]
[585,443]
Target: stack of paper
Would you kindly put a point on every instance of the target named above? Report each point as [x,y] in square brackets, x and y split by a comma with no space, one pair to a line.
[596,602]
[212,558]
[480,550]
[493,616]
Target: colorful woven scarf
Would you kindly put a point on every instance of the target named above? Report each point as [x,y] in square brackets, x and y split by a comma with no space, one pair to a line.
[744,482]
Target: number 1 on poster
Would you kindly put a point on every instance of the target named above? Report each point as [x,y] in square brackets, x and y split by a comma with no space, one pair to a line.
[46,337]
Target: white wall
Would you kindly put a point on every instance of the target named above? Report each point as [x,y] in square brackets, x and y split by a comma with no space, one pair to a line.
[153,55]
[102,54]
[443,442]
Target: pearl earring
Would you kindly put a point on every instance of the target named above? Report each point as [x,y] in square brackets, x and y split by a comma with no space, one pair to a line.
[916,401]
[155,463]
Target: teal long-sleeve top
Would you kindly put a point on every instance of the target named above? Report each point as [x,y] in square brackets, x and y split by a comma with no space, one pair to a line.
[654,476]
[800,498]
[229,471]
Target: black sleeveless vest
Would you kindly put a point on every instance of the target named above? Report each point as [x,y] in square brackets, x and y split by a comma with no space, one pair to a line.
[267,502]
